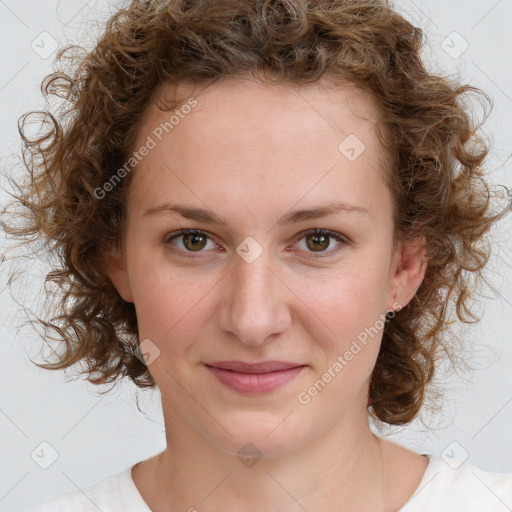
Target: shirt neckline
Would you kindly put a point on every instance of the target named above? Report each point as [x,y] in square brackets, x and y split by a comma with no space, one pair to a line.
[431,471]
[134,497]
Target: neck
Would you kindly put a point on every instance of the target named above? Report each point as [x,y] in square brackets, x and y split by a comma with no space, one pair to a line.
[342,470]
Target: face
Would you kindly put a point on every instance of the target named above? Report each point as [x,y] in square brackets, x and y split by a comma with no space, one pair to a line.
[252,284]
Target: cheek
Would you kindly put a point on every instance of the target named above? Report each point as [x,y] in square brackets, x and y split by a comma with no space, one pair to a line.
[347,325]
[168,304]
[347,303]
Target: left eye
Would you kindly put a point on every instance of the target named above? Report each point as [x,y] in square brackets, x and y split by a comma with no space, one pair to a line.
[319,239]
[195,240]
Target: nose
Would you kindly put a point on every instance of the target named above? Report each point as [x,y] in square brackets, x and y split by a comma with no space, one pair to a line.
[255,301]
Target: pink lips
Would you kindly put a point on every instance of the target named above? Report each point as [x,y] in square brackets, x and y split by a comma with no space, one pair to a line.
[254,378]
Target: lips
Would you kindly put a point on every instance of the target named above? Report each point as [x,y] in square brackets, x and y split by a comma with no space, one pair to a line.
[254,378]
[263,367]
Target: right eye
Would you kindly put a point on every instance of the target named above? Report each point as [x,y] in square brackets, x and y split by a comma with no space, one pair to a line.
[192,240]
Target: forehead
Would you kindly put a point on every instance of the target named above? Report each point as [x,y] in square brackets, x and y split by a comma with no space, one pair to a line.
[240,100]
[280,141]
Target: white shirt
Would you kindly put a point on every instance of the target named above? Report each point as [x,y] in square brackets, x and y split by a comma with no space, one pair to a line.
[442,489]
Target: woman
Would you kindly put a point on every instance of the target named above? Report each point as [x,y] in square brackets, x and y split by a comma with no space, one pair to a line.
[265,209]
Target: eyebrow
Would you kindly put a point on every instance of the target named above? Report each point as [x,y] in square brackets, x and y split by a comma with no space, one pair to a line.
[209,217]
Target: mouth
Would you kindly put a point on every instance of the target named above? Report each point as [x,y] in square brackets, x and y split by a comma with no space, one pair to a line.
[254,378]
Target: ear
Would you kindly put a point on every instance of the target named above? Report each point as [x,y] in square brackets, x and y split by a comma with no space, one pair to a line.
[408,271]
[118,274]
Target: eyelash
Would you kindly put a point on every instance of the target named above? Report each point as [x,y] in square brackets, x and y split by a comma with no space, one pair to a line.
[323,232]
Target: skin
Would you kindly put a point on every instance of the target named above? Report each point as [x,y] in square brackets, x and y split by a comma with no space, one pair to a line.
[251,153]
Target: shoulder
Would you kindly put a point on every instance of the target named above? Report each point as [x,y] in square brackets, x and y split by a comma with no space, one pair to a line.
[116,493]
[460,486]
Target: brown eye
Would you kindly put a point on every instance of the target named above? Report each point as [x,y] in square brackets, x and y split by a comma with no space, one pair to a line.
[192,240]
[317,242]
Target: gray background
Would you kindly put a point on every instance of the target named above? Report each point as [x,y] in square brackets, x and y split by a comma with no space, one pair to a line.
[95,436]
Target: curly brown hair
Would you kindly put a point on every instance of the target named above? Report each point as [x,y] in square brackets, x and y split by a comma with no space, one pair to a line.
[436,178]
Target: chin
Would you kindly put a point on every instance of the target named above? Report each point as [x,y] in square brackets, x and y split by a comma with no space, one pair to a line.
[260,435]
